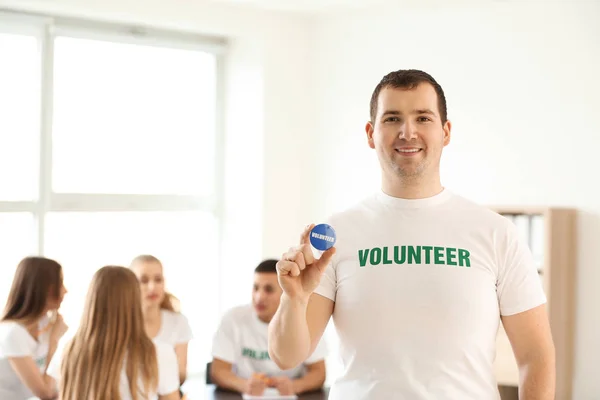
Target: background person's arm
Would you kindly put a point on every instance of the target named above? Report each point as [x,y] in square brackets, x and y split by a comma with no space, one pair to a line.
[221,373]
[57,331]
[181,351]
[313,379]
[41,385]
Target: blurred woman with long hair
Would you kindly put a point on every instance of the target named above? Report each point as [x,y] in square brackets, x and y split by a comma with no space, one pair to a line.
[162,319]
[30,328]
[111,356]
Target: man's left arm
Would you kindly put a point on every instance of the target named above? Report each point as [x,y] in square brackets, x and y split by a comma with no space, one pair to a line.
[531,340]
[313,379]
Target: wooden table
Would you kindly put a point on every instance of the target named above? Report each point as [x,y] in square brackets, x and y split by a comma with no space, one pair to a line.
[212,393]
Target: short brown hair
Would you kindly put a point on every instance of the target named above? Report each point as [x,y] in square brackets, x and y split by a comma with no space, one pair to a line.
[409,79]
[269,265]
[35,280]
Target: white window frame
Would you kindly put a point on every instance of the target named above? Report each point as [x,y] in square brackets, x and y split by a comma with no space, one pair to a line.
[46,28]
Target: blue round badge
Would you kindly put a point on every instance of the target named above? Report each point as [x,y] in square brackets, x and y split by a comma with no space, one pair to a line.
[322,237]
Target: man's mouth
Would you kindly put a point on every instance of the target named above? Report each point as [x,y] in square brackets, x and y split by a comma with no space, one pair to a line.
[408,150]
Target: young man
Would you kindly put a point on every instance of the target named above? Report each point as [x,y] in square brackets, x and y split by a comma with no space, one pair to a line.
[241,359]
[421,278]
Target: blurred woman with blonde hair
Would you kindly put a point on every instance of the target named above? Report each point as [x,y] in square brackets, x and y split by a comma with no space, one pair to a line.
[30,328]
[111,356]
[162,320]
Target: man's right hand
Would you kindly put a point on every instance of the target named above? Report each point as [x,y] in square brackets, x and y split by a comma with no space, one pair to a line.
[255,385]
[298,271]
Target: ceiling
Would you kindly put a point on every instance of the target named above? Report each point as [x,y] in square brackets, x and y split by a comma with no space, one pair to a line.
[310,6]
[327,6]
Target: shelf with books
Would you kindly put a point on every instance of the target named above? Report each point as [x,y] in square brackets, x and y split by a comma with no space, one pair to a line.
[551,236]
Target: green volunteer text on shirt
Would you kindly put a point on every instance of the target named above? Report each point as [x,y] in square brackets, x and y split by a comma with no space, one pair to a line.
[414,255]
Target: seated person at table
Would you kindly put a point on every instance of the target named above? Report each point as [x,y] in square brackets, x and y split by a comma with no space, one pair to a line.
[111,356]
[162,319]
[240,353]
[30,329]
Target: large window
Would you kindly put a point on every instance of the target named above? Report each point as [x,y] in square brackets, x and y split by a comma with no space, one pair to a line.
[109,149]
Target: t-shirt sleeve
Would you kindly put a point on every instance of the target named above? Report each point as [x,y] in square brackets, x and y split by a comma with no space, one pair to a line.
[320,352]
[223,346]
[184,331]
[328,285]
[519,286]
[14,341]
[168,369]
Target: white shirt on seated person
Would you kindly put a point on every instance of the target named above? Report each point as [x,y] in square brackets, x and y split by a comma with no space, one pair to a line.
[168,373]
[16,341]
[174,328]
[241,360]
[241,340]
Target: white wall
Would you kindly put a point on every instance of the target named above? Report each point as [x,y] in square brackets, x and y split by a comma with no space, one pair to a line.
[264,114]
[522,86]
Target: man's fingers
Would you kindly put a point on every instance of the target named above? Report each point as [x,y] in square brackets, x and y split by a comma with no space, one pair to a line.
[307,253]
[295,271]
[286,267]
[300,261]
[298,258]
[305,236]
[325,259]
[296,255]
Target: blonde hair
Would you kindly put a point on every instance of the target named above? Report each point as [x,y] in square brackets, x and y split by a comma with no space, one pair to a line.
[169,302]
[111,335]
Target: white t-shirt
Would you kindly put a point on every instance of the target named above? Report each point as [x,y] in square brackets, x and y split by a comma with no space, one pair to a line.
[168,373]
[419,287]
[241,340]
[15,341]
[174,328]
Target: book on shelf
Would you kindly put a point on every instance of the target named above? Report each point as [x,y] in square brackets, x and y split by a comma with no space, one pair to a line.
[530,228]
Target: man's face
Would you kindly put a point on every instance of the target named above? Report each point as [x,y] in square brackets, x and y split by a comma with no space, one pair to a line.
[266,294]
[407,133]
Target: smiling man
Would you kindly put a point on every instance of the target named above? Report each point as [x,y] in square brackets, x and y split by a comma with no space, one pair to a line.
[241,359]
[420,278]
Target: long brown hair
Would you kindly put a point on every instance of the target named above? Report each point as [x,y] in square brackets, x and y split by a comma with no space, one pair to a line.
[36,280]
[111,334]
[169,302]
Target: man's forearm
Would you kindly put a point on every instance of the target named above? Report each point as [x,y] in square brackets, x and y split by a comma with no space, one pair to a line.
[289,337]
[227,379]
[538,380]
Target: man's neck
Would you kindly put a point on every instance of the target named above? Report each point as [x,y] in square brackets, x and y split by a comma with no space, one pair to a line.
[266,320]
[419,187]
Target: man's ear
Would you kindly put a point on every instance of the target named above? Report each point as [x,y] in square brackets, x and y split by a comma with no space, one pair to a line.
[369,129]
[447,128]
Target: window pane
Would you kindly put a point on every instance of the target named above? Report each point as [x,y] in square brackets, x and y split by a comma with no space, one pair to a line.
[185,242]
[18,239]
[19,117]
[132,119]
